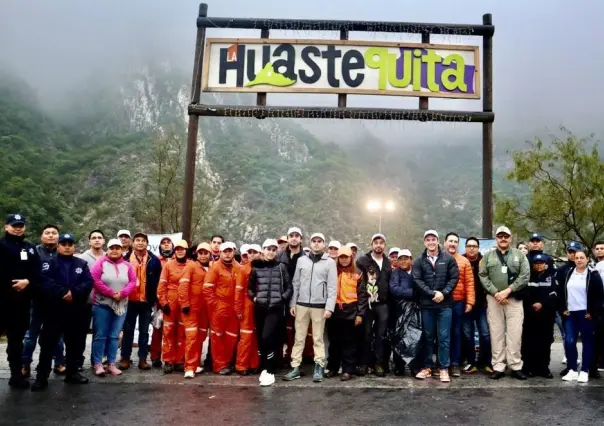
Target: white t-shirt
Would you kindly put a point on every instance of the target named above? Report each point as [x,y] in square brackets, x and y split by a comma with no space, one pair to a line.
[379,261]
[600,268]
[577,291]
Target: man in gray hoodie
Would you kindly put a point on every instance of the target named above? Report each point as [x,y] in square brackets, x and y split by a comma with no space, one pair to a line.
[96,242]
[314,300]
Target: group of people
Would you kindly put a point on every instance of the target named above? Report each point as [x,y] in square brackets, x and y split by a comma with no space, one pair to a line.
[263,306]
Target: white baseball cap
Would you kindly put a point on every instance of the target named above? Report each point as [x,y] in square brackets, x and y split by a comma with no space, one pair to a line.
[335,244]
[114,242]
[351,245]
[294,229]
[317,235]
[376,236]
[394,250]
[228,245]
[503,230]
[255,247]
[404,252]
[244,248]
[123,232]
[270,242]
[430,232]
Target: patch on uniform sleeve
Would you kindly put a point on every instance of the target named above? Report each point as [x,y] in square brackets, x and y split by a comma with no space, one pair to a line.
[31,251]
[78,271]
[45,267]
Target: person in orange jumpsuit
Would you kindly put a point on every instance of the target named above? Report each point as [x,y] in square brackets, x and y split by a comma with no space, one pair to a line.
[173,349]
[166,252]
[219,291]
[194,309]
[248,360]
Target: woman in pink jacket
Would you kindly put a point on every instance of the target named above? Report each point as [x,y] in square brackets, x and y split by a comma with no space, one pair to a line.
[114,280]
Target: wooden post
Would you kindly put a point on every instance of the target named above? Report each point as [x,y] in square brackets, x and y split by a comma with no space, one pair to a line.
[193,130]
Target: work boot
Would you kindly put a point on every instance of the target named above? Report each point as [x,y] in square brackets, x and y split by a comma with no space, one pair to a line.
[76,379]
[168,369]
[455,371]
[157,363]
[345,377]
[379,371]
[361,370]
[292,375]
[317,376]
[242,372]
[331,373]
[144,365]
[124,364]
[39,385]
[225,371]
[60,370]
[18,382]
[179,368]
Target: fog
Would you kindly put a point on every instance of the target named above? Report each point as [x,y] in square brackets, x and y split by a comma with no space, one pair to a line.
[547,54]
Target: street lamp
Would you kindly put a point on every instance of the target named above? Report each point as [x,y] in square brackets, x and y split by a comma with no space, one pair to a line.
[376,206]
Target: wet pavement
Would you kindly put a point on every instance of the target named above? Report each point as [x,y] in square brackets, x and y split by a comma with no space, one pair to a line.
[151,398]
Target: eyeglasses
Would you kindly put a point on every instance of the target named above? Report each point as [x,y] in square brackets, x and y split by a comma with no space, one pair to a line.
[503,237]
[471,246]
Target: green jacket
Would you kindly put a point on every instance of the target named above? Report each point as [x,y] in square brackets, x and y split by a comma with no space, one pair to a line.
[494,280]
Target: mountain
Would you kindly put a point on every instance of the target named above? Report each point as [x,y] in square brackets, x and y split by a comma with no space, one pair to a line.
[113,157]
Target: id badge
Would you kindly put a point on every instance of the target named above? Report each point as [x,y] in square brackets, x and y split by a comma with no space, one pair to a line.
[23,255]
[504,269]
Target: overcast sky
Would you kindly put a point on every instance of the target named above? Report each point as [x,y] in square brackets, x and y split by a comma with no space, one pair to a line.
[548,54]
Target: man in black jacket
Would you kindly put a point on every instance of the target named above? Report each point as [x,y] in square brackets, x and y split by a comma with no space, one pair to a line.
[140,302]
[435,274]
[376,271]
[19,275]
[64,288]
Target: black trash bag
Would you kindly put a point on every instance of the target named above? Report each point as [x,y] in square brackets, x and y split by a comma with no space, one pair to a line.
[406,338]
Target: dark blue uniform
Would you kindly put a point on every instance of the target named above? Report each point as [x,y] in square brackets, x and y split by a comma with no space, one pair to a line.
[538,329]
[60,276]
[18,260]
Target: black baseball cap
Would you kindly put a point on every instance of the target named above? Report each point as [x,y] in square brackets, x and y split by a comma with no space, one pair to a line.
[67,238]
[15,219]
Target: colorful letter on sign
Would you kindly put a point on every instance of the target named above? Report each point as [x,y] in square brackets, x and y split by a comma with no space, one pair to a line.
[336,66]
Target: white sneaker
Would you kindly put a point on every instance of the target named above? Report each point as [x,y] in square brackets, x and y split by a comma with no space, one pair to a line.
[199,370]
[268,380]
[262,375]
[563,360]
[583,377]
[189,374]
[571,376]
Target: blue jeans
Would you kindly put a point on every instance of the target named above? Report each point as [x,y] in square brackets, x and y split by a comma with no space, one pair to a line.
[456,326]
[142,311]
[573,325]
[437,320]
[107,328]
[31,339]
[477,319]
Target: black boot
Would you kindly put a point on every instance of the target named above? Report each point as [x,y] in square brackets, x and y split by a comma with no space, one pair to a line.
[40,384]
[18,382]
[76,379]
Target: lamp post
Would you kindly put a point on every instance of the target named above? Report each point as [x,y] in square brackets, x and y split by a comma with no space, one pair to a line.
[377,206]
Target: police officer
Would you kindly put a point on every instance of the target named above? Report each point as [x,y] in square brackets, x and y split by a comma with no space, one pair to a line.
[19,274]
[65,286]
[539,313]
[536,245]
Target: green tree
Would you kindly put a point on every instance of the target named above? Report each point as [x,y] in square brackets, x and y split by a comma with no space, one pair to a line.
[565,200]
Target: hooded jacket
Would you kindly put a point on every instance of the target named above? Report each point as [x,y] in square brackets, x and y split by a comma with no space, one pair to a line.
[65,274]
[315,282]
[269,283]
[383,279]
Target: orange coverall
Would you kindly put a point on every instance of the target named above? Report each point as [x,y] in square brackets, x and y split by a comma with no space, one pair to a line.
[247,349]
[190,294]
[173,348]
[219,292]
[156,337]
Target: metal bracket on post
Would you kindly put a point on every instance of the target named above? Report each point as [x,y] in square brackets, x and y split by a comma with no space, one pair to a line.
[261,96]
[423,100]
[342,97]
